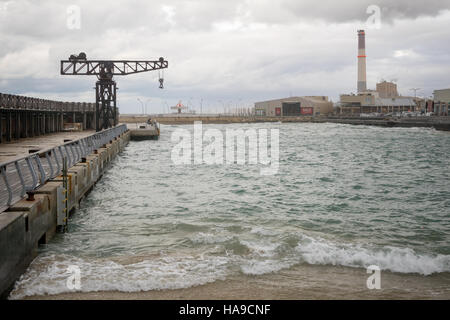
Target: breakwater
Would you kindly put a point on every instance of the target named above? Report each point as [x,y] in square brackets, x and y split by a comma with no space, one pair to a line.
[28,223]
[439,123]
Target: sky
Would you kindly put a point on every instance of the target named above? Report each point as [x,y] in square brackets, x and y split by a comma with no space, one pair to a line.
[224,54]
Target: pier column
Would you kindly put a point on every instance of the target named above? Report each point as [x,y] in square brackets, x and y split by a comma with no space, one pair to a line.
[38,124]
[17,125]
[1,127]
[8,126]
[25,124]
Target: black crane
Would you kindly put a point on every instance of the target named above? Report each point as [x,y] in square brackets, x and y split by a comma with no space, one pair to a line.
[105,88]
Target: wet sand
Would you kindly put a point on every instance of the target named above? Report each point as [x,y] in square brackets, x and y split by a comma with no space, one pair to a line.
[301,282]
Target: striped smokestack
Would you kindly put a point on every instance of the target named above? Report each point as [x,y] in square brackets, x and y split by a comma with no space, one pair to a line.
[362,85]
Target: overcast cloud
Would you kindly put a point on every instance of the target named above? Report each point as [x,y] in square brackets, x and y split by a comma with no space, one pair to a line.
[226,53]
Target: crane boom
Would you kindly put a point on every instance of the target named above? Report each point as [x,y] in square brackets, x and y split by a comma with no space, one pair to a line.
[116,67]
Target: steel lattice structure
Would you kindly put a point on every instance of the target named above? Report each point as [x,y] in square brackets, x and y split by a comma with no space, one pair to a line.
[117,68]
[105,88]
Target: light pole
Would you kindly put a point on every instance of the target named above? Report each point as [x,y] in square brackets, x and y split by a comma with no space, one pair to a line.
[415,95]
[142,104]
[144,109]
[146,102]
[168,109]
[415,91]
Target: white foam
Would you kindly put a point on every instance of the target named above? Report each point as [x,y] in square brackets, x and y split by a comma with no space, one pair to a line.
[261,247]
[210,238]
[258,267]
[402,260]
[106,275]
[48,273]
[263,231]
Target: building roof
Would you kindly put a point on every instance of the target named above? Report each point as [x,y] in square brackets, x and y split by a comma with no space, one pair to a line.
[441,90]
[315,99]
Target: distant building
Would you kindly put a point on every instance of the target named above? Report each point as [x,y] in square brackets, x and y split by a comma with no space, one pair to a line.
[370,101]
[384,99]
[294,106]
[387,89]
[441,102]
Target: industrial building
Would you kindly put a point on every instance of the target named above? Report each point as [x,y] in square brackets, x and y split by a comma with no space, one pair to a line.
[387,89]
[370,102]
[383,100]
[294,106]
[441,102]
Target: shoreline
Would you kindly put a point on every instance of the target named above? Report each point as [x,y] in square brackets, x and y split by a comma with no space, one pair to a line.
[438,123]
[301,282]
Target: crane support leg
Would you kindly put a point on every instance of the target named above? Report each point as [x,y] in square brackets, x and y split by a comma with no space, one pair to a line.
[106,111]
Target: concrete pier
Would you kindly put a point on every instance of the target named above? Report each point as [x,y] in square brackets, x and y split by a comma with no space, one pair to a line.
[20,148]
[33,221]
[143,131]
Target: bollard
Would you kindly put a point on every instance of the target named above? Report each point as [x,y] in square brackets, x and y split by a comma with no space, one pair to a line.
[30,196]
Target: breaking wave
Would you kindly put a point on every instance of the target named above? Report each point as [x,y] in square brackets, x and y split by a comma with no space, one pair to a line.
[48,274]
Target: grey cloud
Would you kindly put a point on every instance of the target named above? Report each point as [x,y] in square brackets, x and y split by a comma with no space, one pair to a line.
[354,10]
[227,50]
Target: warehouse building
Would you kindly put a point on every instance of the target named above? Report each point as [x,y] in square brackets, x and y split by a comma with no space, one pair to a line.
[294,106]
[370,102]
[442,102]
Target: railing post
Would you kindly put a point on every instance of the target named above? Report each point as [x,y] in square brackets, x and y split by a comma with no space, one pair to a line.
[22,181]
[8,187]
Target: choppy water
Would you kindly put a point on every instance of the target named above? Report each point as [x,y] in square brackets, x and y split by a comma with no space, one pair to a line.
[344,195]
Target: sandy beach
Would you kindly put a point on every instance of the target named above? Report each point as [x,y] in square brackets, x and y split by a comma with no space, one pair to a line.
[301,282]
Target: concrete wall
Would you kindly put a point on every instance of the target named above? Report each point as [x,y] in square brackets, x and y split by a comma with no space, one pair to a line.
[28,223]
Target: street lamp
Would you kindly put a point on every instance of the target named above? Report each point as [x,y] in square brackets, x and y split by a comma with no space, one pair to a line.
[146,102]
[415,91]
[142,104]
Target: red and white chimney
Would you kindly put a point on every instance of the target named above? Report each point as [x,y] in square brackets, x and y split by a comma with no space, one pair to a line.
[362,84]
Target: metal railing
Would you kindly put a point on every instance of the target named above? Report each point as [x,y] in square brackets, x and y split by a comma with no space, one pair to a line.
[26,174]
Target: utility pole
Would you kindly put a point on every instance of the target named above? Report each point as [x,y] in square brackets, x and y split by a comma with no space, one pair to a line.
[142,105]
